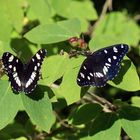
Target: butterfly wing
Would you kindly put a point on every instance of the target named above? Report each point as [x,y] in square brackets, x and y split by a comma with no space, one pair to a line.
[13,67]
[101,66]
[32,71]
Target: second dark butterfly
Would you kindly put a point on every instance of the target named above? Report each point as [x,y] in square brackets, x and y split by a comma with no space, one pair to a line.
[101,66]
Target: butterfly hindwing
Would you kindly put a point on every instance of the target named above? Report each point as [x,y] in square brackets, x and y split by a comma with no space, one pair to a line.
[33,70]
[101,66]
[13,67]
[23,77]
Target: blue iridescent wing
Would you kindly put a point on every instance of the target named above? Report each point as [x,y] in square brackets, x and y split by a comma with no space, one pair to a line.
[101,66]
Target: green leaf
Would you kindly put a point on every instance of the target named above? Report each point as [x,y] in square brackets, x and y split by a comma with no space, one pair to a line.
[75,9]
[14,12]
[5,31]
[43,14]
[130,121]
[127,79]
[72,25]
[39,109]
[53,33]
[115,28]
[83,10]
[69,88]
[105,126]
[21,138]
[13,128]
[91,110]
[9,104]
[135,101]
[54,68]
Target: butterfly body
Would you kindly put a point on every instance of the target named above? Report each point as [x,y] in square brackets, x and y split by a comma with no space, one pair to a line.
[101,66]
[23,77]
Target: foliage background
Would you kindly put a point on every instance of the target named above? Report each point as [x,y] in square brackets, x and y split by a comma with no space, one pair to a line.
[59,108]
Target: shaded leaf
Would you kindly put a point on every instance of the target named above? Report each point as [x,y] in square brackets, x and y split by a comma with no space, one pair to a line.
[39,109]
[130,121]
[91,111]
[105,126]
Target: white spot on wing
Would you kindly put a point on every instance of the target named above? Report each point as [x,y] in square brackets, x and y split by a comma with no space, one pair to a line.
[10,66]
[122,46]
[17,81]
[91,74]
[105,70]
[109,60]
[107,64]
[41,51]
[85,68]
[29,82]
[82,75]
[99,74]
[105,51]
[38,56]
[33,75]
[35,68]
[33,59]
[88,77]
[17,60]
[15,75]
[14,68]
[7,54]
[11,58]
[115,49]
[78,79]
[114,57]
[38,64]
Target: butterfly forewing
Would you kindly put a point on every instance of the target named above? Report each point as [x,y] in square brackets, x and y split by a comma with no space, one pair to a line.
[13,67]
[23,77]
[33,70]
[101,66]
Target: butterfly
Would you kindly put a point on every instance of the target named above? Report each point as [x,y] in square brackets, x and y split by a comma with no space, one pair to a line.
[23,77]
[101,66]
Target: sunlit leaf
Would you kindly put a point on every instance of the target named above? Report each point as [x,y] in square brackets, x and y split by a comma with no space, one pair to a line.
[9,104]
[53,33]
[115,28]
[127,78]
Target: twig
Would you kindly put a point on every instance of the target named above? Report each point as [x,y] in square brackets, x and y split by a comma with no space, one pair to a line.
[102,101]
[62,122]
[107,5]
[137,17]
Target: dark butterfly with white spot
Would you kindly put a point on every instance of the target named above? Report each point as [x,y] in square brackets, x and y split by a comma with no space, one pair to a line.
[101,66]
[23,77]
